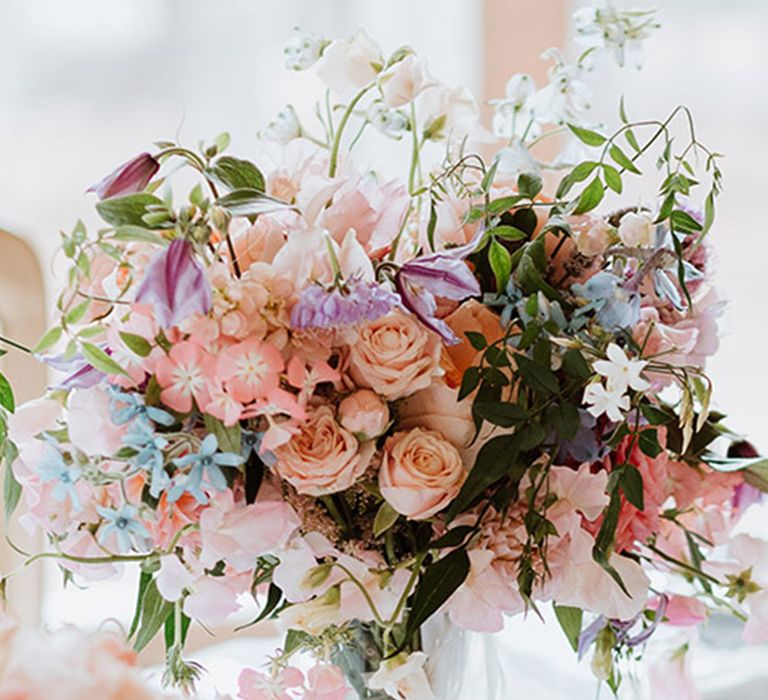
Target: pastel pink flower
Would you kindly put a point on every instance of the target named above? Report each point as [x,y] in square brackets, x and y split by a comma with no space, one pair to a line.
[90,426]
[254,685]
[671,677]
[237,533]
[222,405]
[250,370]
[682,611]
[364,414]
[32,418]
[184,375]
[579,490]
[421,473]
[326,682]
[214,598]
[305,380]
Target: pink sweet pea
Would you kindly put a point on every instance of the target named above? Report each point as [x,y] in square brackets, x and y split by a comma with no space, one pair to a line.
[184,374]
[129,178]
[250,370]
[175,285]
[254,685]
[682,611]
[326,682]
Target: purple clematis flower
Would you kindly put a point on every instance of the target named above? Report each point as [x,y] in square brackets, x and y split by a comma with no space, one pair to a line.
[175,285]
[80,374]
[744,494]
[443,274]
[129,178]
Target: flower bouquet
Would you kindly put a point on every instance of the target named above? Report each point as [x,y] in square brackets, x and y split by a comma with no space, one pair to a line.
[374,402]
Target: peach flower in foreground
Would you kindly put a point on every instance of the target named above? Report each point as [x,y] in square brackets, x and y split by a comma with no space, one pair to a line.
[323,457]
[437,408]
[364,413]
[394,355]
[258,243]
[421,473]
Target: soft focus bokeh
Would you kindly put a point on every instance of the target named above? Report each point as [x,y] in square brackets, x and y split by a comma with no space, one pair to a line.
[86,84]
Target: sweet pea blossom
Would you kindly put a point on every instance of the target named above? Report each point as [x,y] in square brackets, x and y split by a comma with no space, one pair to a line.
[255,685]
[620,372]
[175,285]
[403,677]
[130,177]
[349,64]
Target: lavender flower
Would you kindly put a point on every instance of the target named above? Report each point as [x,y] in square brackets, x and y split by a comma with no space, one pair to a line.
[443,274]
[130,177]
[175,285]
[357,301]
[80,374]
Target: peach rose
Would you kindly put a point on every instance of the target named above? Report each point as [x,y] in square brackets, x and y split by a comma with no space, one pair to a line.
[394,355]
[323,457]
[437,408]
[364,413]
[258,243]
[421,473]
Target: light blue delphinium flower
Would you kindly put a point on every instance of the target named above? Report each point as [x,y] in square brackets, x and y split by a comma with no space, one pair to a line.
[205,464]
[130,406]
[53,468]
[615,306]
[123,524]
[150,455]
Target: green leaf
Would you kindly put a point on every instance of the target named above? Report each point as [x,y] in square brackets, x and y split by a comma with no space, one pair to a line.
[51,337]
[76,313]
[499,206]
[684,222]
[432,223]
[476,340]
[505,415]
[541,379]
[436,585]
[531,437]
[591,196]
[469,382]
[130,209]
[612,178]
[529,184]
[237,174]
[251,202]
[385,519]
[508,233]
[575,366]
[501,264]
[170,630]
[274,597]
[229,439]
[570,621]
[632,139]
[495,460]
[136,234]
[100,360]
[137,344]
[154,612]
[587,136]
[603,548]
[6,394]
[11,487]
[145,578]
[655,415]
[564,418]
[452,538]
[631,483]
[623,159]
[649,443]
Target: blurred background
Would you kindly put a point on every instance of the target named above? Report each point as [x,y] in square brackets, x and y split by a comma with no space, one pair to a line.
[86,84]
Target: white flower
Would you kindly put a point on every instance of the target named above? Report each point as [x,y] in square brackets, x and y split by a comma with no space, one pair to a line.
[405,81]
[608,401]
[315,616]
[515,159]
[284,128]
[450,112]
[637,229]
[403,677]
[389,122]
[349,64]
[566,98]
[620,372]
[621,31]
[512,116]
[303,50]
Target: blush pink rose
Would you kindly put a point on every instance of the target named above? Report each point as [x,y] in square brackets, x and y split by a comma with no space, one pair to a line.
[90,427]
[437,408]
[364,413]
[323,457]
[394,355]
[421,473]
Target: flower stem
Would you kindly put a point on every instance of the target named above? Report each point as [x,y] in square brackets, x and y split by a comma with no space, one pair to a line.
[14,344]
[336,145]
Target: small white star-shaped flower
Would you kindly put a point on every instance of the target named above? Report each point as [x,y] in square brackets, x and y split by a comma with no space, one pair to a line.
[608,401]
[621,372]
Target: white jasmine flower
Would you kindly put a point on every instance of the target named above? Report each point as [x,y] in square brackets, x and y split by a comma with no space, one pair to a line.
[620,372]
[608,401]
[403,677]
[303,50]
[636,229]
[389,122]
[618,30]
[516,159]
[512,114]
[284,128]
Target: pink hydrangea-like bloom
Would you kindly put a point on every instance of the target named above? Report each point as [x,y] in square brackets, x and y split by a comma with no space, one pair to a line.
[184,375]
